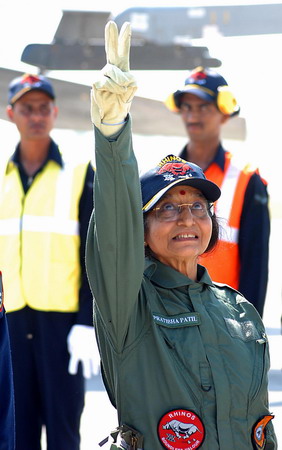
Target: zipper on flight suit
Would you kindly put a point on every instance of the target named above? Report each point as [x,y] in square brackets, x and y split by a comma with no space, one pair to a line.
[259,365]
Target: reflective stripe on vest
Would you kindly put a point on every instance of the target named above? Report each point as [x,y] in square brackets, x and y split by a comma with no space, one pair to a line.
[223,262]
[39,238]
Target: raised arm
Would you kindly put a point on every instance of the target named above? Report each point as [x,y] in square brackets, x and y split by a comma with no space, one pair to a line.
[115,246]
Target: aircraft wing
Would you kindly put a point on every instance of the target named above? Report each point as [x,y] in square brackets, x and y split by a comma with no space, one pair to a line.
[78,44]
[150,117]
[77,56]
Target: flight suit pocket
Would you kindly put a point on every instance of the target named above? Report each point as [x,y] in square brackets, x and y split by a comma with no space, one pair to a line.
[182,368]
[255,337]
[246,331]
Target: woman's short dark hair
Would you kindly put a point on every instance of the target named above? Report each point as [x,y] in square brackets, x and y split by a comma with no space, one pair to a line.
[213,240]
[214,235]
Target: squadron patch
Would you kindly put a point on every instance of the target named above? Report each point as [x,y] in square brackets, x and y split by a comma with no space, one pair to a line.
[259,430]
[181,429]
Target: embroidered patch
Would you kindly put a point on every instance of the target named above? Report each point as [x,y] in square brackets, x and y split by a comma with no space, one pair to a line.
[181,429]
[245,330]
[182,320]
[259,430]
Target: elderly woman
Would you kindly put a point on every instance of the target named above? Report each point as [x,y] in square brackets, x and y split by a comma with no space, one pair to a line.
[184,360]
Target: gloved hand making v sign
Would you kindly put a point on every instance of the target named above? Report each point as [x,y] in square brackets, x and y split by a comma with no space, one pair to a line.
[112,95]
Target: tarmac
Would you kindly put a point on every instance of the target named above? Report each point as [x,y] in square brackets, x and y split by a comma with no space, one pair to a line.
[99,416]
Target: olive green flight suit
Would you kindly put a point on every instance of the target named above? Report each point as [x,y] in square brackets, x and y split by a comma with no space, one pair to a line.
[168,342]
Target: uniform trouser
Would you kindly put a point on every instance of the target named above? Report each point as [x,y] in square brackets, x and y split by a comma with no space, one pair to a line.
[45,394]
[7,420]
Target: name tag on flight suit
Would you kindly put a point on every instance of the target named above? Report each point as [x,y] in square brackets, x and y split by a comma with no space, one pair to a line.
[182,320]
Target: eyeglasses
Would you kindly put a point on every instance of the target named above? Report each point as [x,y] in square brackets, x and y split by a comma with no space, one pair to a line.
[168,212]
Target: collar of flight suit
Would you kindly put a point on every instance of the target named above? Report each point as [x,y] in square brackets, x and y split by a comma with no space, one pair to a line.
[167,277]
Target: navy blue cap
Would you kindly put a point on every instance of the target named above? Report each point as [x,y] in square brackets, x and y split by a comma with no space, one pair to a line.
[203,83]
[170,171]
[208,85]
[26,83]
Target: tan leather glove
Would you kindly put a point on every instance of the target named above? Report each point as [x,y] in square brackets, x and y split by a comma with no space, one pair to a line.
[112,95]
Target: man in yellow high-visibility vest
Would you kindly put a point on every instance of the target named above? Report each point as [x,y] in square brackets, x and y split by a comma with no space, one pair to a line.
[45,205]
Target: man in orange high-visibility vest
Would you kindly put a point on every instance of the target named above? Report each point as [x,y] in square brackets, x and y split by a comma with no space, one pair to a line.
[205,103]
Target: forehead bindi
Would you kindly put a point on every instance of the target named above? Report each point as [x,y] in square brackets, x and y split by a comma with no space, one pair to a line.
[186,193]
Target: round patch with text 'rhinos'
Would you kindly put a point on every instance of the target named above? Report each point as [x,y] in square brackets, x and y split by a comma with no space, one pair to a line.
[181,429]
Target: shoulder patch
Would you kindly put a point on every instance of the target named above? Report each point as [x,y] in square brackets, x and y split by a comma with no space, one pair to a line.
[259,431]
